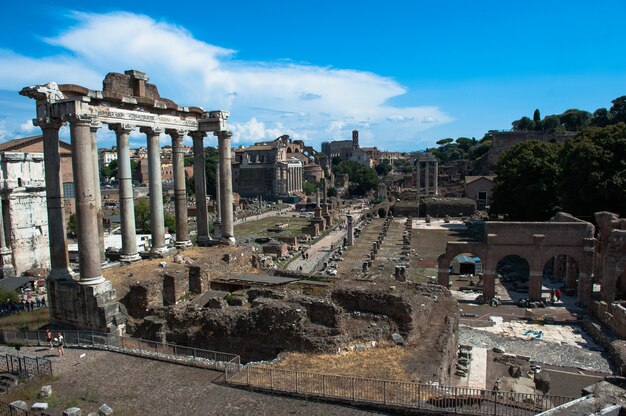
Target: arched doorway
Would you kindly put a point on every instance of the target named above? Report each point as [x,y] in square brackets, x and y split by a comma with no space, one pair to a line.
[514,273]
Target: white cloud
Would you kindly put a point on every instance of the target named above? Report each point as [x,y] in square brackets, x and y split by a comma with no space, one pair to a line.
[306,101]
[28,127]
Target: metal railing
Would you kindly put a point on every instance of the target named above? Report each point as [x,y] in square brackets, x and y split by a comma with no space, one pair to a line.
[395,394]
[195,357]
[25,365]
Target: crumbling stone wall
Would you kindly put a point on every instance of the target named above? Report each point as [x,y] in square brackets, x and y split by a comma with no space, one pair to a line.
[264,322]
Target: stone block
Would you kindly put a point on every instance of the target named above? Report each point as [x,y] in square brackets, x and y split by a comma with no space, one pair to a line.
[175,284]
[19,404]
[45,392]
[72,411]
[39,406]
[105,410]
[199,278]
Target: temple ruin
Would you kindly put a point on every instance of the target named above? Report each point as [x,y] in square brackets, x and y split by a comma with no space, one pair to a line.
[127,102]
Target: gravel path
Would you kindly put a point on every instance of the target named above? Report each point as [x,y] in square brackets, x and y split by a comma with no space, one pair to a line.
[539,351]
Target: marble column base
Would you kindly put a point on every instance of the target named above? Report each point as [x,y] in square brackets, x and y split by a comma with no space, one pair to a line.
[92,281]
[182,244]
[129,258]
[158,252]
[229,241]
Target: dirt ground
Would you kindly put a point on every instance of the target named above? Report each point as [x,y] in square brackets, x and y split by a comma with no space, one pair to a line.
[136,386]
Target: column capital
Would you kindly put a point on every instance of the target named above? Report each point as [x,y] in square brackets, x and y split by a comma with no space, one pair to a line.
[176,133]
[151,131]
[197,135]
[223,134]
[120,128]
[48,123]
[95,125]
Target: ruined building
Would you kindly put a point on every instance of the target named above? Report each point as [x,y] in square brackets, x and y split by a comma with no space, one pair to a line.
[276,169]
[127,102]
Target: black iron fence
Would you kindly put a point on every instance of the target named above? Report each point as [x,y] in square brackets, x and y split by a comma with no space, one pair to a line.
[25,365]
[160,351]
[395,394]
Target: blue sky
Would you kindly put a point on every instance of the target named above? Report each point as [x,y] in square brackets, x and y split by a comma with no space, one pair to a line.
[404,73]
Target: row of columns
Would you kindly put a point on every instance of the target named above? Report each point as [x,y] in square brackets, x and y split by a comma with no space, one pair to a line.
[288,179]
[90,233]
[435,174]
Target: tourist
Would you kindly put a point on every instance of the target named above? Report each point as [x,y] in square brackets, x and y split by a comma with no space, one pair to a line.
[558,295]
[60,344]
[43,301]
[38,301]
[552,296]
[49,337]
[32,305]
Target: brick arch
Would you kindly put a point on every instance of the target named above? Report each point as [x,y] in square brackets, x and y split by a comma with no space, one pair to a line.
[614,270]
[454,249]
[500,258]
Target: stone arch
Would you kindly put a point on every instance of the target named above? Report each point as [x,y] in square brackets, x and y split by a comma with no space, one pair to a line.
[519,267]
[615,268]
[454,249]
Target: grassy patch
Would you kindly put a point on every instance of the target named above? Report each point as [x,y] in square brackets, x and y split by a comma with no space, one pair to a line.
[26,321]
[258,228]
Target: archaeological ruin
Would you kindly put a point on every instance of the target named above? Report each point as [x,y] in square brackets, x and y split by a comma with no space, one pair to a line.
[127,102]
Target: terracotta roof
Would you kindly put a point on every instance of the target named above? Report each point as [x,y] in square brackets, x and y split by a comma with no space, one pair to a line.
[17,144]
[470,179]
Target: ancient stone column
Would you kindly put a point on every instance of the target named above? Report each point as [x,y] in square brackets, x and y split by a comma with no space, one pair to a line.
[86,210]
[6,266]
[180,192]
[126,197]
[419,178]
[350,231]
[95,125]
[226,187]
[427,179]
[156,191]
[59,260]
[199,178]
[217,225]
[436,173]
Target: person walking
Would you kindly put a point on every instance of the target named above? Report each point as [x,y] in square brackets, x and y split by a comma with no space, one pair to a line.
[558,295]
[60,344]
[552,296]
[49,337]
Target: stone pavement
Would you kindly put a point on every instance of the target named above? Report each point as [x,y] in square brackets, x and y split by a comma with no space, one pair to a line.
[318,251]
[477,377]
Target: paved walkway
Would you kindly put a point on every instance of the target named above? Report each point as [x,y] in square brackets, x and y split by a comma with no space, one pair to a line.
[318,251]
[477,378]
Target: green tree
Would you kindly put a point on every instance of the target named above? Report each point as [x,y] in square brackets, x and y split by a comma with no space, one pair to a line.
[523,123]
[71,224]
[363,178]
[574,119]
[594,171]
[332,191]
[108,172]
[383,168]
[526,182]
[618,109]
[537,119]
[444,142]
[551,123]
[142,217]
[308,188]
[600,118]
